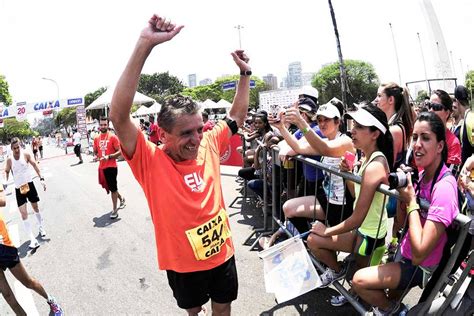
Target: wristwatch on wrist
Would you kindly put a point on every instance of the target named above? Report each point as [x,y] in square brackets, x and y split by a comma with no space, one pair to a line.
[41,179]
[246,72]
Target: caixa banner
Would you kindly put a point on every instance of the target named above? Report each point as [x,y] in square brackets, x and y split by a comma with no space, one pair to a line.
[21,109]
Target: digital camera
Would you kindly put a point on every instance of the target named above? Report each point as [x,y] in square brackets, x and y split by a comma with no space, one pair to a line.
[399,179]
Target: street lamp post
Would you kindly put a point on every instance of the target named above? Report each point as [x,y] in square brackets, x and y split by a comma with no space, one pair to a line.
[57,86]
[57,96]
[239,27]
[396,55]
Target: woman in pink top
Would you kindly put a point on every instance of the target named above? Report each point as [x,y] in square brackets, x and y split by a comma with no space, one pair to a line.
[422,246]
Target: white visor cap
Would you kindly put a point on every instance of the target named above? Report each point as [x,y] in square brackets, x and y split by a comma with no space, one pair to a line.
[329,110]
[364,118]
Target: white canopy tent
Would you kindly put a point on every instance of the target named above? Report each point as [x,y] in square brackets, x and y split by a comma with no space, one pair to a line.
[141,111]
[104,100]
[208,104]
[145,111]
[224,104]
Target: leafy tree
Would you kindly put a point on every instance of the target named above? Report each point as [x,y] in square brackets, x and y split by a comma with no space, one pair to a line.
[361,80]
[66,117]
[159,85]
[14,128]
[215,93]
[5,96]
[469,83]
[422,95]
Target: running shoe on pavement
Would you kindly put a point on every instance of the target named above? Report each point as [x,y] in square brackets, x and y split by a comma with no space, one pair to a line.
[34,244]
[122,203]
[42,231]
[56,310]
[114,214]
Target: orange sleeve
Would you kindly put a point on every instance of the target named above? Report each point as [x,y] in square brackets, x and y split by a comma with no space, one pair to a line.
[140,161]
[219,135]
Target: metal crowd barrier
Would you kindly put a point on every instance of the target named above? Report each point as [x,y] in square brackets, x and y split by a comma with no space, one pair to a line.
[461,222]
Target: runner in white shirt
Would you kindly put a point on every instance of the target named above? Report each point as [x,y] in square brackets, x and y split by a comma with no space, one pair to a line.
[24,187]
[77,145]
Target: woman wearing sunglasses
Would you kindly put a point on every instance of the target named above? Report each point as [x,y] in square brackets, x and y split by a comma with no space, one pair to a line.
[442,105]
[366,228]
[422,246]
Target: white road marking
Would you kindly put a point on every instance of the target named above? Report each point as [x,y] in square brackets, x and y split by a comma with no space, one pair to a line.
[14,234]
[25,298]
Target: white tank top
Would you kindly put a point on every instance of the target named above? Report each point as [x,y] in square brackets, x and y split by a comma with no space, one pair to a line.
[21,171]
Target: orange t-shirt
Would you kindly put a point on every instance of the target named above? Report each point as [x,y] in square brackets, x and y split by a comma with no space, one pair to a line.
[106,144]
[186,203]
[4,237]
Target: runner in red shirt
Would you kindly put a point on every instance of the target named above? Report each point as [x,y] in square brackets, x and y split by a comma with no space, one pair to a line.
[153,131]
[107,150]
[181,180]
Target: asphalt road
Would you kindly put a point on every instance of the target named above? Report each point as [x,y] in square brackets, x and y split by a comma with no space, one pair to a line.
[95,265]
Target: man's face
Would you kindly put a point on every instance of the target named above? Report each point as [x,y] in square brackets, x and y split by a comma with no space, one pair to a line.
[16,150]
[103,126]
[182,143]
[457,107]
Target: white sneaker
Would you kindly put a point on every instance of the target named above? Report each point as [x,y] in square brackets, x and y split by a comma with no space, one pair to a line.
[114,214]
[34,244]
[330,276]
[42,231]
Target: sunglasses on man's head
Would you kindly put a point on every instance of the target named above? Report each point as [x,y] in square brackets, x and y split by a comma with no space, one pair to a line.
[435,106]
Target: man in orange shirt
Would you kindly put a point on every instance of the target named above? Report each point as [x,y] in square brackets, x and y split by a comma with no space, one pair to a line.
[181,180]
[107,150]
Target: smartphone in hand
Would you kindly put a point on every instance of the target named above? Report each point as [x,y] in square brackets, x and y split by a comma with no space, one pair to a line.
[350,159]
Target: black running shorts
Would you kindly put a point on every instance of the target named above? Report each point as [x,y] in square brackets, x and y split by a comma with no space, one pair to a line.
[8,257]
[193,289]
[110,175]
[31,195]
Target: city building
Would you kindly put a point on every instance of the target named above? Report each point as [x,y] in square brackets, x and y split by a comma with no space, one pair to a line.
[306,78]
[192,79]
[205,82]
[271,81]
[294,79]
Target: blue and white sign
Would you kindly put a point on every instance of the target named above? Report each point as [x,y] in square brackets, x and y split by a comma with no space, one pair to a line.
[228,85]
[76,101]
[232,84]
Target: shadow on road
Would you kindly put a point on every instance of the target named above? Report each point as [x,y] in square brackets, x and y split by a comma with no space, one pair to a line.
[105,220]
[76,164]
[316,302]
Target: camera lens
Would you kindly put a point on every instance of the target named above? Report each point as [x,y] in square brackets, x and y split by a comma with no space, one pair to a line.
[397,180]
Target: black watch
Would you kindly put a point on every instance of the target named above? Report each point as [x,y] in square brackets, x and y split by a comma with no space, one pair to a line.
[246,72]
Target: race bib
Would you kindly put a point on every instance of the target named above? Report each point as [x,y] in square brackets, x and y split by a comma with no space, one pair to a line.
[24,188]
[207,239]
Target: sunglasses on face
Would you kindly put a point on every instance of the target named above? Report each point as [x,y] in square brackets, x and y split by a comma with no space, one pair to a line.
[435,106]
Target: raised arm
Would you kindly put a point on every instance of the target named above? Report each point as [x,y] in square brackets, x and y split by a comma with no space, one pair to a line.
[158,30]
[238,111]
